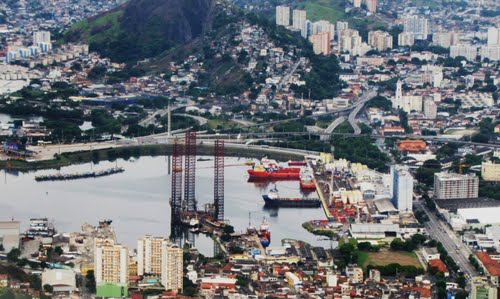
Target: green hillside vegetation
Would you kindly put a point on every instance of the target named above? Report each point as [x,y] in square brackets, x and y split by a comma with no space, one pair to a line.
[334,10]
[330,10]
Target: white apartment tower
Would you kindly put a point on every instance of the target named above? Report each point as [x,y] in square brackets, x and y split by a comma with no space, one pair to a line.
[41,37]
[402,189]
[380,40]
[149,255]
[444,39]
[406,39]
[419,26]
[111,263]
[282,15]
[453,185]
[299,19]
[493,36]
[465,50]
[430,109]
[341,26]
[172,266]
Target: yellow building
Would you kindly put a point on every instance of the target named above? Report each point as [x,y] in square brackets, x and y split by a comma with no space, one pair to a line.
[490,171]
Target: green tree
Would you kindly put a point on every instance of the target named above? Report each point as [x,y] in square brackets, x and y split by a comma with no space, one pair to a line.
[48,288]
[90,281]
[13,255]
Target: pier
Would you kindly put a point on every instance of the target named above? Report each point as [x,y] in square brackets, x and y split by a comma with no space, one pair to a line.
[324,201]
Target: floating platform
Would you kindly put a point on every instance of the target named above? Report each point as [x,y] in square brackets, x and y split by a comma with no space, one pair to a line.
[76,176]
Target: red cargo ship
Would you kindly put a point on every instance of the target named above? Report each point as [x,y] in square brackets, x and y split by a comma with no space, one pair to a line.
[260,171]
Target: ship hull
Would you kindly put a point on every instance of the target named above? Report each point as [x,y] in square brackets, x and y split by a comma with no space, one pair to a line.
[287,173]
[291,202]
[307,185]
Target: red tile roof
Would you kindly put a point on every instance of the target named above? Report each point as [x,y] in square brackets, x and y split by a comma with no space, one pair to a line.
[439,265]
[491,265]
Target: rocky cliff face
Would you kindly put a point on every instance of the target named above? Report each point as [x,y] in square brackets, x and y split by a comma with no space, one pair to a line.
[144,28]
[173,20]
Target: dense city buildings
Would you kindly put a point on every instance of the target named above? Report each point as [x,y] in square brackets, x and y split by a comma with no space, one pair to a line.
[381,117]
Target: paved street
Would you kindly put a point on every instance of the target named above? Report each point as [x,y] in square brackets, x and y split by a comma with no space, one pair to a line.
[365,97]
[440,231]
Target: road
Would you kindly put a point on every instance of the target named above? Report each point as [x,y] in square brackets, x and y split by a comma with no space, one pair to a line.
[201,120]
[151,119]
[334,124]
[440,231]
[365,97]
[287,77]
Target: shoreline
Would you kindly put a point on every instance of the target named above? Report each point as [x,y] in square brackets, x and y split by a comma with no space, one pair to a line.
[136,151]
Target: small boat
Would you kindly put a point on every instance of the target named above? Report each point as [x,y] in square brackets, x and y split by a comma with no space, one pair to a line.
[306,180]
[264,234]
[250,163]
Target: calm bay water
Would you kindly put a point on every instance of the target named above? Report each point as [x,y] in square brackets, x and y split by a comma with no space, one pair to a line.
[138,200]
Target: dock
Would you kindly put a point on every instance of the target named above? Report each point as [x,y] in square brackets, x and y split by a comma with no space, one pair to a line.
[324,201]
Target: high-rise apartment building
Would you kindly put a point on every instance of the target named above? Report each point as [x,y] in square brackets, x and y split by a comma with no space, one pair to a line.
[419,26]
[490,52]
[41,37]
[149,255]
[321,43]
[465,50]
[490,171]
[299,19]
[172,266]
[493,36]
[402,189]
[443,39]
[323,26]
[111,262]
[341,26]
[453,185]
[380,40]
[430,109]
[406,39]
[282,15]
[371,5]
[158,257]
[348,39]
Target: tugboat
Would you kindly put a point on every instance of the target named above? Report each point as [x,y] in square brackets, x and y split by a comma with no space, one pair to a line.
[306,180]
[264,234]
